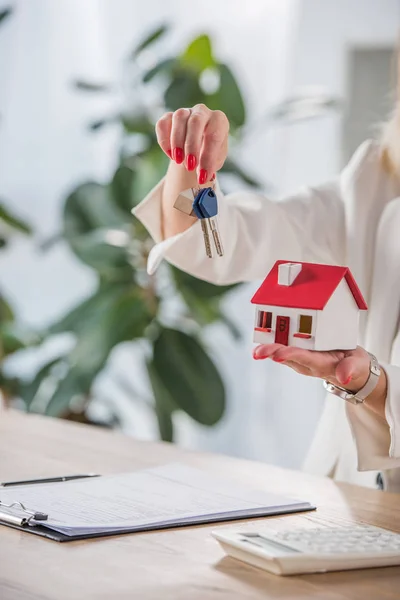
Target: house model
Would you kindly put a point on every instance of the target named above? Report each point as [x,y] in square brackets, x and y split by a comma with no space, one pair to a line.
[308,305]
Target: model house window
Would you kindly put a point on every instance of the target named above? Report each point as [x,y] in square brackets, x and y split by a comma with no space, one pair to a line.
[305,324]
[264,319]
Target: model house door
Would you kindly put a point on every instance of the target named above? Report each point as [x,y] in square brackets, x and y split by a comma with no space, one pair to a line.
[282,330]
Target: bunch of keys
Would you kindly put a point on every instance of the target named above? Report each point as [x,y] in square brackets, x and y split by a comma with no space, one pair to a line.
[203,204]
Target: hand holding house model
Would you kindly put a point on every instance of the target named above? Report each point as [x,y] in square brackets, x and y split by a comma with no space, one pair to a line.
[311,306]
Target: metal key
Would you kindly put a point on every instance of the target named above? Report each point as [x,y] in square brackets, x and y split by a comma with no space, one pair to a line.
[203,221]
[208,206]
[206,236]
[203,204]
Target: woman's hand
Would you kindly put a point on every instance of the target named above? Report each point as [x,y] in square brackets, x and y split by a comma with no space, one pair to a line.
[196,137]
[345,368]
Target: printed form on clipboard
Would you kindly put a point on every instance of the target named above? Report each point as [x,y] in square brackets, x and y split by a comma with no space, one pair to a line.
[167,496]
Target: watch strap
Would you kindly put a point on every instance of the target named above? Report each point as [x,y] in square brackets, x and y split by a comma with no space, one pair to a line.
[365,391]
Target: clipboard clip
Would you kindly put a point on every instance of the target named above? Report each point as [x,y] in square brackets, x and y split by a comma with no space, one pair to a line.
[18,520]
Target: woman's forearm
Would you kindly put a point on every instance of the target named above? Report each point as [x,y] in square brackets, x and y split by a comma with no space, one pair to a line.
[177,179]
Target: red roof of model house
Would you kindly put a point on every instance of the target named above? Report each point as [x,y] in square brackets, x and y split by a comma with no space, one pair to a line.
[311,288]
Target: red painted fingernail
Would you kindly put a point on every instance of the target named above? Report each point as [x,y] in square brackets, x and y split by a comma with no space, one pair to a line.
[202,176]
[279,360]
[178,155]
[348,380]
[257,356]
[169,153]
[190,162]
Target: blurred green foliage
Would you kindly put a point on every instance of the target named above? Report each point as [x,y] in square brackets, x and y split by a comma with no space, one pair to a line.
[128,304]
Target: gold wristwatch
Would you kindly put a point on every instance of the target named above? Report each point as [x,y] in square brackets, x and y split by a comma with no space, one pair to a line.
[366,390]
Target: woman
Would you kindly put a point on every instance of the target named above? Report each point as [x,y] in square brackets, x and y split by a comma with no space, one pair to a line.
[354,220]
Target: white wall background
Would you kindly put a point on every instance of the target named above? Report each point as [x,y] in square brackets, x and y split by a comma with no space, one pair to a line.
[274,47]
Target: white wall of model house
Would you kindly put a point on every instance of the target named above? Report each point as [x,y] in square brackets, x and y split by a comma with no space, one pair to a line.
[337,324]
[333,327]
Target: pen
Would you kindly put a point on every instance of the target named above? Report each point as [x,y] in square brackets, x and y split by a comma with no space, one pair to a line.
[47,480]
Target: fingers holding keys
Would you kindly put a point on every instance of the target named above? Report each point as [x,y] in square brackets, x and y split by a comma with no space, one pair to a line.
[199,117]
[163,133]
[215,146]
[180,120]
[197,137]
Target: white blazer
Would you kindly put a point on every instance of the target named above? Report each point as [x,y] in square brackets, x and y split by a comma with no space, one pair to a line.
[354,221]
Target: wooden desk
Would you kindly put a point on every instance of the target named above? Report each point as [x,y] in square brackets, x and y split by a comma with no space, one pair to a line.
[180,564]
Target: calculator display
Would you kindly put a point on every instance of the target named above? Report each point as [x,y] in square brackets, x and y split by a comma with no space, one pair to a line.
[270,546]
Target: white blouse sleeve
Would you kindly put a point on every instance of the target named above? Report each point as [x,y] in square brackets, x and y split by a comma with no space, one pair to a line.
[255,232]
[377,440]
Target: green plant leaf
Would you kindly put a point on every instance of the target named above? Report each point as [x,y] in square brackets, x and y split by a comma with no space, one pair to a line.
[200,288]
[150,39]
[183,90]
[198,55]
[207,310]
[12,221]
[48,243]
[203,311]
[6,12]
[91,86]
[228,98]
[150,167]
[71,387]
[189,376]
[13,337]
[164,67]
[125,320]
[6,312]
[110,260]
[100,123]
[137,123]
[101,323]
[233,169]
[28,390]
[97,231]
[122,189]
[163,406]
[87,312]
[90,207]
[202,298]
[120,310]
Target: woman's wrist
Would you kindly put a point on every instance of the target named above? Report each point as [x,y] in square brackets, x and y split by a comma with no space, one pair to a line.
[177,179]
[376,400]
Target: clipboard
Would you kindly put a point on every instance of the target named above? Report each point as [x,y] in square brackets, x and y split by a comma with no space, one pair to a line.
[56,536]
[221,502]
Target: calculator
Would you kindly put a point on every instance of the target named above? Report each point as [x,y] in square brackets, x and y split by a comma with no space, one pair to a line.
[313,550]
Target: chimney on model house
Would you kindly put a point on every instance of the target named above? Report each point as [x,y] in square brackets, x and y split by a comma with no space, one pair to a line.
[287,273]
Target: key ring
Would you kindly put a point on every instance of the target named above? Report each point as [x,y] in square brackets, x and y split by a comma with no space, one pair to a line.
[212,181]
